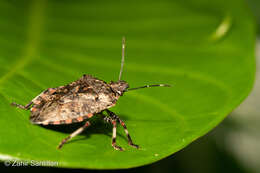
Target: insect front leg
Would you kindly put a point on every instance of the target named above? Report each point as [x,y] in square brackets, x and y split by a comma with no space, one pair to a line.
[26,107]
[114,136]
[114,116]
[75,133]
[113,121]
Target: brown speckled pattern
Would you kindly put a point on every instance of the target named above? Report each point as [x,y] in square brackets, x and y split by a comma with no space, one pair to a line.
[73,102]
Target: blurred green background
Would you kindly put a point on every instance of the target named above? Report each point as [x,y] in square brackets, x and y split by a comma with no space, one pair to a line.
[233,146]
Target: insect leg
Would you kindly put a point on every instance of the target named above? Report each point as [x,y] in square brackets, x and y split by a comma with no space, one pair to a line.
[130,142]
[36,100]
[114,116]
[109,119]
[114,137]
[75,133]
[26,107]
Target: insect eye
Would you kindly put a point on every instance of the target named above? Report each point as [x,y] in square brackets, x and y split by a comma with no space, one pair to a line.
[119,92]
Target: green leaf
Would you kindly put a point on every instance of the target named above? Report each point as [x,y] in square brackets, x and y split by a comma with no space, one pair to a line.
[205,49]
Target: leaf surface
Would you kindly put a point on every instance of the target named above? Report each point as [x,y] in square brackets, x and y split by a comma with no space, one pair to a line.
[204,49]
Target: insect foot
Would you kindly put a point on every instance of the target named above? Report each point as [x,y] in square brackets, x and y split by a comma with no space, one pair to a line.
[134,145]
[63,142]
[116,147]
[21,106]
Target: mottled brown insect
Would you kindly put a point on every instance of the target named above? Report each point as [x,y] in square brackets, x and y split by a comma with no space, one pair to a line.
[79,101]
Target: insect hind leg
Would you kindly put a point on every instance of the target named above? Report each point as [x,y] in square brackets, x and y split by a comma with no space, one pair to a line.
[75,133]
[115,117]
[26,107]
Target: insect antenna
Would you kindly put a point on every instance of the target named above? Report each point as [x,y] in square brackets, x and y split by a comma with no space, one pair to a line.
[123,58]
[148,86]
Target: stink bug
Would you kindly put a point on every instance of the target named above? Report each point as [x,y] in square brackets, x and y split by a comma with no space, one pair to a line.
[79,101]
